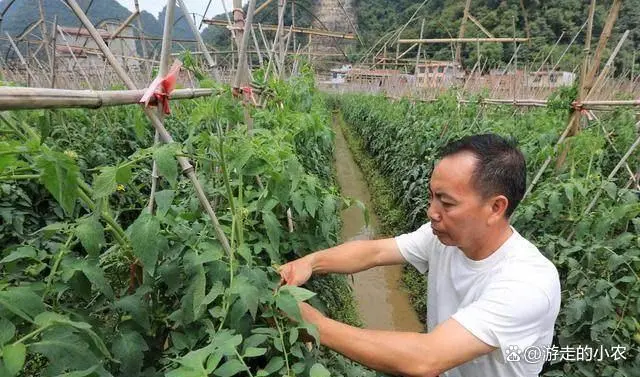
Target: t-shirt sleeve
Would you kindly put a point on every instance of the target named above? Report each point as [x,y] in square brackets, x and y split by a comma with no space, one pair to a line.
[416,246]
[508,313]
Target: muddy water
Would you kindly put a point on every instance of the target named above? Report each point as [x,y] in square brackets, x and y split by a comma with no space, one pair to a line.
[382,303]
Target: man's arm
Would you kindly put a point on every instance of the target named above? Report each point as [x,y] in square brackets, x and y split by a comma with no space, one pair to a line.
[347,258]
[402,353]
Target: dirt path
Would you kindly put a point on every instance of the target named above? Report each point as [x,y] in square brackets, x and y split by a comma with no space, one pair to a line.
[381,301]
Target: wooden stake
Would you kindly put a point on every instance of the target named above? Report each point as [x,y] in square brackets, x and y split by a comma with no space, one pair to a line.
[242,73]
[53,51]
[419,47]
[461,31]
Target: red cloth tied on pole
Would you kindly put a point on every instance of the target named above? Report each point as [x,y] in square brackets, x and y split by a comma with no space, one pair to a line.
[161,88]
[578,106]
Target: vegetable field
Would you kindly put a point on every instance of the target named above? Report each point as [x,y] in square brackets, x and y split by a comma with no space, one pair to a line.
[596,250]
[94,284]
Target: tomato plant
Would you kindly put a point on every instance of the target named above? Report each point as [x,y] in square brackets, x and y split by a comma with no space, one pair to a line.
[93,284]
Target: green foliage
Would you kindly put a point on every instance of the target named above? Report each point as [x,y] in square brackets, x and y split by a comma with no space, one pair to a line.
[596,253]
[547,21]
[92,284]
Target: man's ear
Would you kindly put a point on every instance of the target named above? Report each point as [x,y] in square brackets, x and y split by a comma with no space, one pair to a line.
[498,209]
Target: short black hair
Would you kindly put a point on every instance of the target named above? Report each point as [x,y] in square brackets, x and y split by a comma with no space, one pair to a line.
[501,167]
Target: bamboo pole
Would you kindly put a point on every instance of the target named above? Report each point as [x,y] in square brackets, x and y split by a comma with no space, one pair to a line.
[186,166]
[419,46]
[605,70]
[29,30]
[145,65]
[449,40]
[24,98]
[124,25]
[52,61]
[297,29]
[262,7]
[463,23]
[587,49]
[243,70]
[22,61]
[482,28]
[164,69]
[602,43]
[196,33]
[257,47]
[587,84]
[73,55]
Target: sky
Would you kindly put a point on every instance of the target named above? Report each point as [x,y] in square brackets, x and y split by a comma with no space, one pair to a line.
[195,6]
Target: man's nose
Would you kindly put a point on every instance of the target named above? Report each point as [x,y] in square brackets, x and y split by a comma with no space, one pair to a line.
[433,214]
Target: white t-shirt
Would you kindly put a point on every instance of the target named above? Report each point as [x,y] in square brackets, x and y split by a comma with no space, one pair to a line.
[509,299]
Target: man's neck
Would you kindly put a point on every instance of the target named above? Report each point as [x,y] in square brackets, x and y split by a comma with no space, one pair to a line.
[489,243]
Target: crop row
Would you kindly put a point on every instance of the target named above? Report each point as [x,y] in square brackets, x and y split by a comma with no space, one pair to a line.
[597,252]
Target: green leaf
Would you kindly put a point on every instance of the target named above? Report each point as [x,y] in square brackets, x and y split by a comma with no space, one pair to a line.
[293,335]
[129,348]
[136,307]
[164,199]
[7,330]
[24,252]
[254,352]
[611,189]
[21,301]
[64,350]
[311,204]
[300,294]
[59,174]
[255,340]
[13,357]
[318,370]
[123,173]
[602,308]
[274,229]
[274,365]
[97,277]
[146,241]
[194,295]
[249,294]
[288,304]
[49,318]
[230,368]
[91,235]
[105,183]
[81,373]
[298,203]
[555,205]
[165,158]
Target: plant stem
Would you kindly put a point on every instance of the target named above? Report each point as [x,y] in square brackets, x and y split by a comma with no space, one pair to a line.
[31,335]
[284,351]
[116,229]
[56,264]
[243,363]
[19,177]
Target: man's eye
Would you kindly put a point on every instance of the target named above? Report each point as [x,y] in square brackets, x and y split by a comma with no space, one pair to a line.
[445,204]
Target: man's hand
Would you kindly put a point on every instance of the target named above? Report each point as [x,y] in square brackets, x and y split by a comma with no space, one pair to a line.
[296,272]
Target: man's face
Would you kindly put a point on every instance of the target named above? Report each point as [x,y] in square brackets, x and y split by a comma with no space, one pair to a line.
[457,212]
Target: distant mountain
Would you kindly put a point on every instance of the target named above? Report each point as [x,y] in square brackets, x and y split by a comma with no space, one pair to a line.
[23,13]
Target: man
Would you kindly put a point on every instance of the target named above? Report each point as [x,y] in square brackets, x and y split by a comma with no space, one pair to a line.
[492,298]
